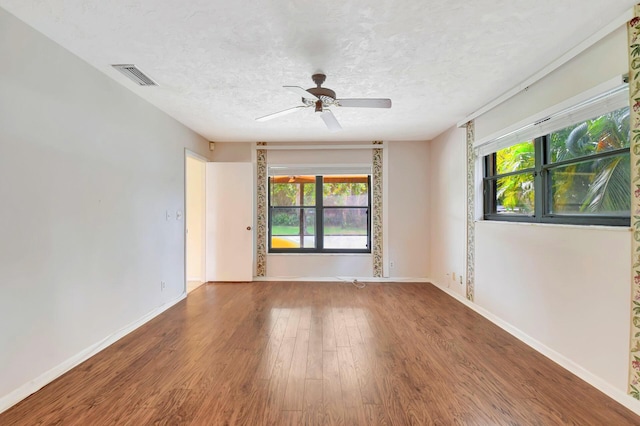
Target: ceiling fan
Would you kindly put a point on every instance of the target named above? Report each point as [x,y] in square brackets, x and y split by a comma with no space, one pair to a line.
[322,98]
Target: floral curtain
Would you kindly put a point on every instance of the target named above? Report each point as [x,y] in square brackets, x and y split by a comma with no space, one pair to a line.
[633,32]
[376,250]
[261,231]
[471,233]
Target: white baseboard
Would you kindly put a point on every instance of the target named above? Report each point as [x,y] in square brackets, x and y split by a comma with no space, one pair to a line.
[346,279]
[39,382]
[595,381]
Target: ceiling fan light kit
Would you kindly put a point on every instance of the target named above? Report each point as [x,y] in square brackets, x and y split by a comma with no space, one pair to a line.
[322,99]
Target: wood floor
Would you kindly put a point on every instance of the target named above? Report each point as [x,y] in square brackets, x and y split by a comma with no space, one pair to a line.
[318,353]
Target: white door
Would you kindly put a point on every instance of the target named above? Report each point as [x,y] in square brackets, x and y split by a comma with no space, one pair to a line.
[229,245]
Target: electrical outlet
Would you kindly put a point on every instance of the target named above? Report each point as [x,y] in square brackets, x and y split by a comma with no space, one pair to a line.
[162,285]
[460,279]
[392,264]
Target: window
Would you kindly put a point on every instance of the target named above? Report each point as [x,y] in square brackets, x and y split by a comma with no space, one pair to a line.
[319,214]
[579,174]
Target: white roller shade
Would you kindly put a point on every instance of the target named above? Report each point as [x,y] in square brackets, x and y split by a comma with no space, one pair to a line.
[318,169]
[595,106]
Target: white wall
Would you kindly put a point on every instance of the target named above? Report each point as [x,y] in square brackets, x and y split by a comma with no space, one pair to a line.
[564,289]
[409,198]
[232,152]
[448,203]
[603,61]
[319,265]
[565,286]
[87,172]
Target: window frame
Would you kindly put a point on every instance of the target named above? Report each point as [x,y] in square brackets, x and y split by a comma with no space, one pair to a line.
[543,189]
[319,208]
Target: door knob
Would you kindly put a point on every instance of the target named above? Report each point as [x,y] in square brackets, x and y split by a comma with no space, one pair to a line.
[248,228]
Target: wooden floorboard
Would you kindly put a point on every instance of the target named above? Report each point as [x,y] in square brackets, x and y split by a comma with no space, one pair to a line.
[290,353]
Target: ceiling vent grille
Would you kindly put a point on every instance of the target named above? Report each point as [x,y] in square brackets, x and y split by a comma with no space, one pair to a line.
[135,74]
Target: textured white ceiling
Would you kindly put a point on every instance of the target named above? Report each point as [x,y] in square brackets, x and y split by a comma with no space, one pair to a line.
[222,63]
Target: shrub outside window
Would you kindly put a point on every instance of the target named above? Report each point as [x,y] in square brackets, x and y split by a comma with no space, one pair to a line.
[579,174]
[319,214]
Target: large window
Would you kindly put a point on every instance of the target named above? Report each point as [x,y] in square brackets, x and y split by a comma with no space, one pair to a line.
[322,214]
[579,174]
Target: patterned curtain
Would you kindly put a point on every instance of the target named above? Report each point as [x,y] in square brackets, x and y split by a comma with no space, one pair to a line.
[261,232]
[376,217]
[633,32]
[471,230]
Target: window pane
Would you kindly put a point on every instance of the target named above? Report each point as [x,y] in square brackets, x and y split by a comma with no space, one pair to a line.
[293,228]
[345,228]
[598,187]
[293,191]
[345,191]
[515,194]
[516,157]
[604,133]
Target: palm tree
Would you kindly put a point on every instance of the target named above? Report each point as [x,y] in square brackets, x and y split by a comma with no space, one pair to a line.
[608,179]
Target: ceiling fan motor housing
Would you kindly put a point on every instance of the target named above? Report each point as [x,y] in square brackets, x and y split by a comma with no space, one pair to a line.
[327,96]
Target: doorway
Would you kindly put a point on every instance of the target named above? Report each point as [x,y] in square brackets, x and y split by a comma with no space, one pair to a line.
[195,217]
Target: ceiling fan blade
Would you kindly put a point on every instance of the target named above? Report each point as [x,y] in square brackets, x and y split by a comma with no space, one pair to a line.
[280,113]
[330,120]
[301,92]
[364,103]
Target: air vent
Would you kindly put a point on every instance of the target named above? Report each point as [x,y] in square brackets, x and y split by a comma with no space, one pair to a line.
[135,75]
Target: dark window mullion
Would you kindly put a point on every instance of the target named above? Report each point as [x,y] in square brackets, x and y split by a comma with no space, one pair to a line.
[489,186]
[319,214]
[369,231]
[319,209]
[517,172]
[585,158]
[270,218]
[540,195]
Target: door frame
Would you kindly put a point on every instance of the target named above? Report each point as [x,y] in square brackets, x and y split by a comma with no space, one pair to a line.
[190,154]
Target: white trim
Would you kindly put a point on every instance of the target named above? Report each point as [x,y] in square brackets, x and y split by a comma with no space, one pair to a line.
[47,377]
[204,160]
[319,254]
[607,228]
[566,363]
[346,279]
[568,56]
[324,146]
[195,155]
[297,169]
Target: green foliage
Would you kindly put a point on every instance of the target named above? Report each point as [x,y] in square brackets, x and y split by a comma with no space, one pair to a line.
[515,193]
[609,189]
[288,194]
[335,194]
[589,186]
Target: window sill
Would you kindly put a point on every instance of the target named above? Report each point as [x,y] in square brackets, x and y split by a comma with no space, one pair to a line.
[318,254]
[558,225]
